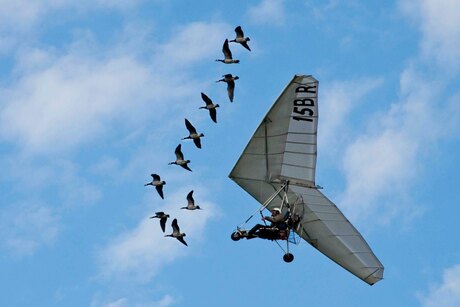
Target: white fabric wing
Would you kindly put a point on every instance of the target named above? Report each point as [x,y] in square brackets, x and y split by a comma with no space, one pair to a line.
[284,148]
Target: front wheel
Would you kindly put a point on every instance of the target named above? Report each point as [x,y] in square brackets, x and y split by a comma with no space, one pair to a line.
[235,236]
[288,257]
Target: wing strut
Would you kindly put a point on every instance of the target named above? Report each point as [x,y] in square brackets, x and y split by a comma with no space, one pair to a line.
[267,202]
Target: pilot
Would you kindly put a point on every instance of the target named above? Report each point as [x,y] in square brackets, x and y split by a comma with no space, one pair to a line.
[277,222]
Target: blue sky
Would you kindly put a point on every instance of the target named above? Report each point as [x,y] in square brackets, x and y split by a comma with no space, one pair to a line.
[93,97]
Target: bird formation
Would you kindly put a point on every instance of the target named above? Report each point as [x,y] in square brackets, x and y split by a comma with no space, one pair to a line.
[156,182]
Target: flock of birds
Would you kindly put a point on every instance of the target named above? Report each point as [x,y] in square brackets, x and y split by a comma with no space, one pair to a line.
[196,137]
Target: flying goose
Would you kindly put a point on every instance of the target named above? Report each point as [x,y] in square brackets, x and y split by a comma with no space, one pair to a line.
[176,232]
[163,218]
[193,135]
[180,158]
[240,38]
[230,80]
[157,183]
[210,106]
[191,202]
[228,55]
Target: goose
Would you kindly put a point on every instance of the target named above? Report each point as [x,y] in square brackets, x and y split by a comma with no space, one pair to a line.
[157,183]
[191,202]
[240,38]
[176,233]
[193,135]
[228,55]
[180,159]
[163,218]
[210,106]
[230,80]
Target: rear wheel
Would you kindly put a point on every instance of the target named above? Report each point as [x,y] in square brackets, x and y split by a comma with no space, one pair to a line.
[288,257]
[235,236]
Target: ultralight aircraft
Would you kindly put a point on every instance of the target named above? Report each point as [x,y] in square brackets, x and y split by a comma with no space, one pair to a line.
[277,168]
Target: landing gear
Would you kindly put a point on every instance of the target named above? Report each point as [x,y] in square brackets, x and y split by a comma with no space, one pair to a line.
[288,257]
[240,234]
[236,236]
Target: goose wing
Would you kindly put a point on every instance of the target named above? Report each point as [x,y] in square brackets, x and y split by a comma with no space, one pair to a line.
[231,89]
[226,50]
[190,200]
[239,32]
[175,227]
[197,142]
[155,177]
[163,222]
[181,239]
[206,99]
[213,114]
[178,152]
[186,167]
[190,127]
[159,189]
[245,45]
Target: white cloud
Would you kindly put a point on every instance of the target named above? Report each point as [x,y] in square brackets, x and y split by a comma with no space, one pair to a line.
[64,177]
[22,22]
[385,161]
[60,101]
[26,227]
[446,294]
[118,303]
[121,5]
[140,253]
[376,166]
[72,100]
[195,42]
[440,27]
[269,12]
[23,14]
[337,101]
[165,301]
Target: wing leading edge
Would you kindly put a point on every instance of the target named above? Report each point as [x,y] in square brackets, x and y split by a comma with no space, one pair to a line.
[284,147]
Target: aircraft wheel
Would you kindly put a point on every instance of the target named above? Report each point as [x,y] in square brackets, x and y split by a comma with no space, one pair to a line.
[235,236]
[288,257]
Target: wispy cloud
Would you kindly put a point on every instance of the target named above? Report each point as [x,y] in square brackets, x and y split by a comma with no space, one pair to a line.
[118,303]
[165,301]
[447,293]
[440,28]
[23,14]
[59,101]
[269,12]
[33,219]
[140,253]
[62,100]
[384,161]
[193,43]
[25,227]
[338,100]
[71,100]
[22,22]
